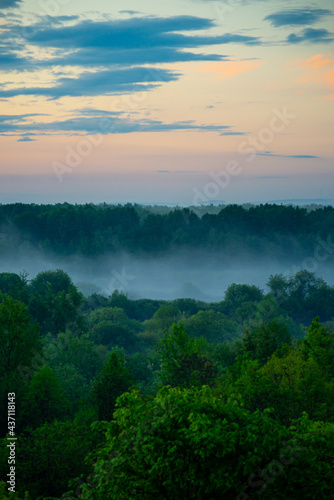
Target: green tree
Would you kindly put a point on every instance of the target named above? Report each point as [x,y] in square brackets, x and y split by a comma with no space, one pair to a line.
[190,444]
[113,380]
[303,296]
[54,301]
[44,400]
[236,295]
[79,351]
[20,347]
[19,337]
[290,384]
[161,322]
[319,345]
[53,454]
[111,326]
[144,367]
[5,495]
[185,361]
[262,341]
[14,285]
[212,325]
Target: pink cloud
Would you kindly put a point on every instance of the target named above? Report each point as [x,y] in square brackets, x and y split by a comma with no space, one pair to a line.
[229,69]
[317,61]
[318,69]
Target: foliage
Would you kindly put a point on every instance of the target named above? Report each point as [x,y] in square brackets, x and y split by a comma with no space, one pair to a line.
[14,285]
[303,296]
[51,455]
[78,351]
[185,361]
[54,301]
[160,323]
[214,326]
[4,495]
[111,326]
[190,444]
[236,295]
[113,380]
[19,337]
[319,345]
[44,400]
[19,346]
[293,381]
[262,341]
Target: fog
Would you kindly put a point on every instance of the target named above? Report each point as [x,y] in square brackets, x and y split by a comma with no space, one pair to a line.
[203,276]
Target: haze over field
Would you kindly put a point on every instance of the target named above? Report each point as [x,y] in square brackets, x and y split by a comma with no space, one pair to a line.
[185,274]
[164,253]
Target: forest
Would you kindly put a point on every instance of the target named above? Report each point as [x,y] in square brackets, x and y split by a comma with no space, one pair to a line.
[92,230]
[122,398]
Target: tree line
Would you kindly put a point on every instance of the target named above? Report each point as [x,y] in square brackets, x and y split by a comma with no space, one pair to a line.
[92,230]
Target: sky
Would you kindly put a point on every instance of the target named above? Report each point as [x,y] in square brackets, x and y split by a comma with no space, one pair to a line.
[184,102]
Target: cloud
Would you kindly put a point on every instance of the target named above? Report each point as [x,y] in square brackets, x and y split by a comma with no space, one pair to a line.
[311,35]
[271,176]
[230,132]
[297,17]
[229,69]
[8,4]
[115,49]
[104,58]
[26,139]
[11,123]
[136,32]
[301,156]
[9,60]
[105,82]
[92,122]
[318,69]
[317,61]
[130,12]
[177,171]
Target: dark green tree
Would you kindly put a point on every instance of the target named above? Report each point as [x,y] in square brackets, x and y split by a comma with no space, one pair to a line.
[20,353]
[53,454]
[260,342]
[113,380]
[212,325]
[55,301]
[319,345]
[15,285]
[185,361]
[236,295]
[44,400]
